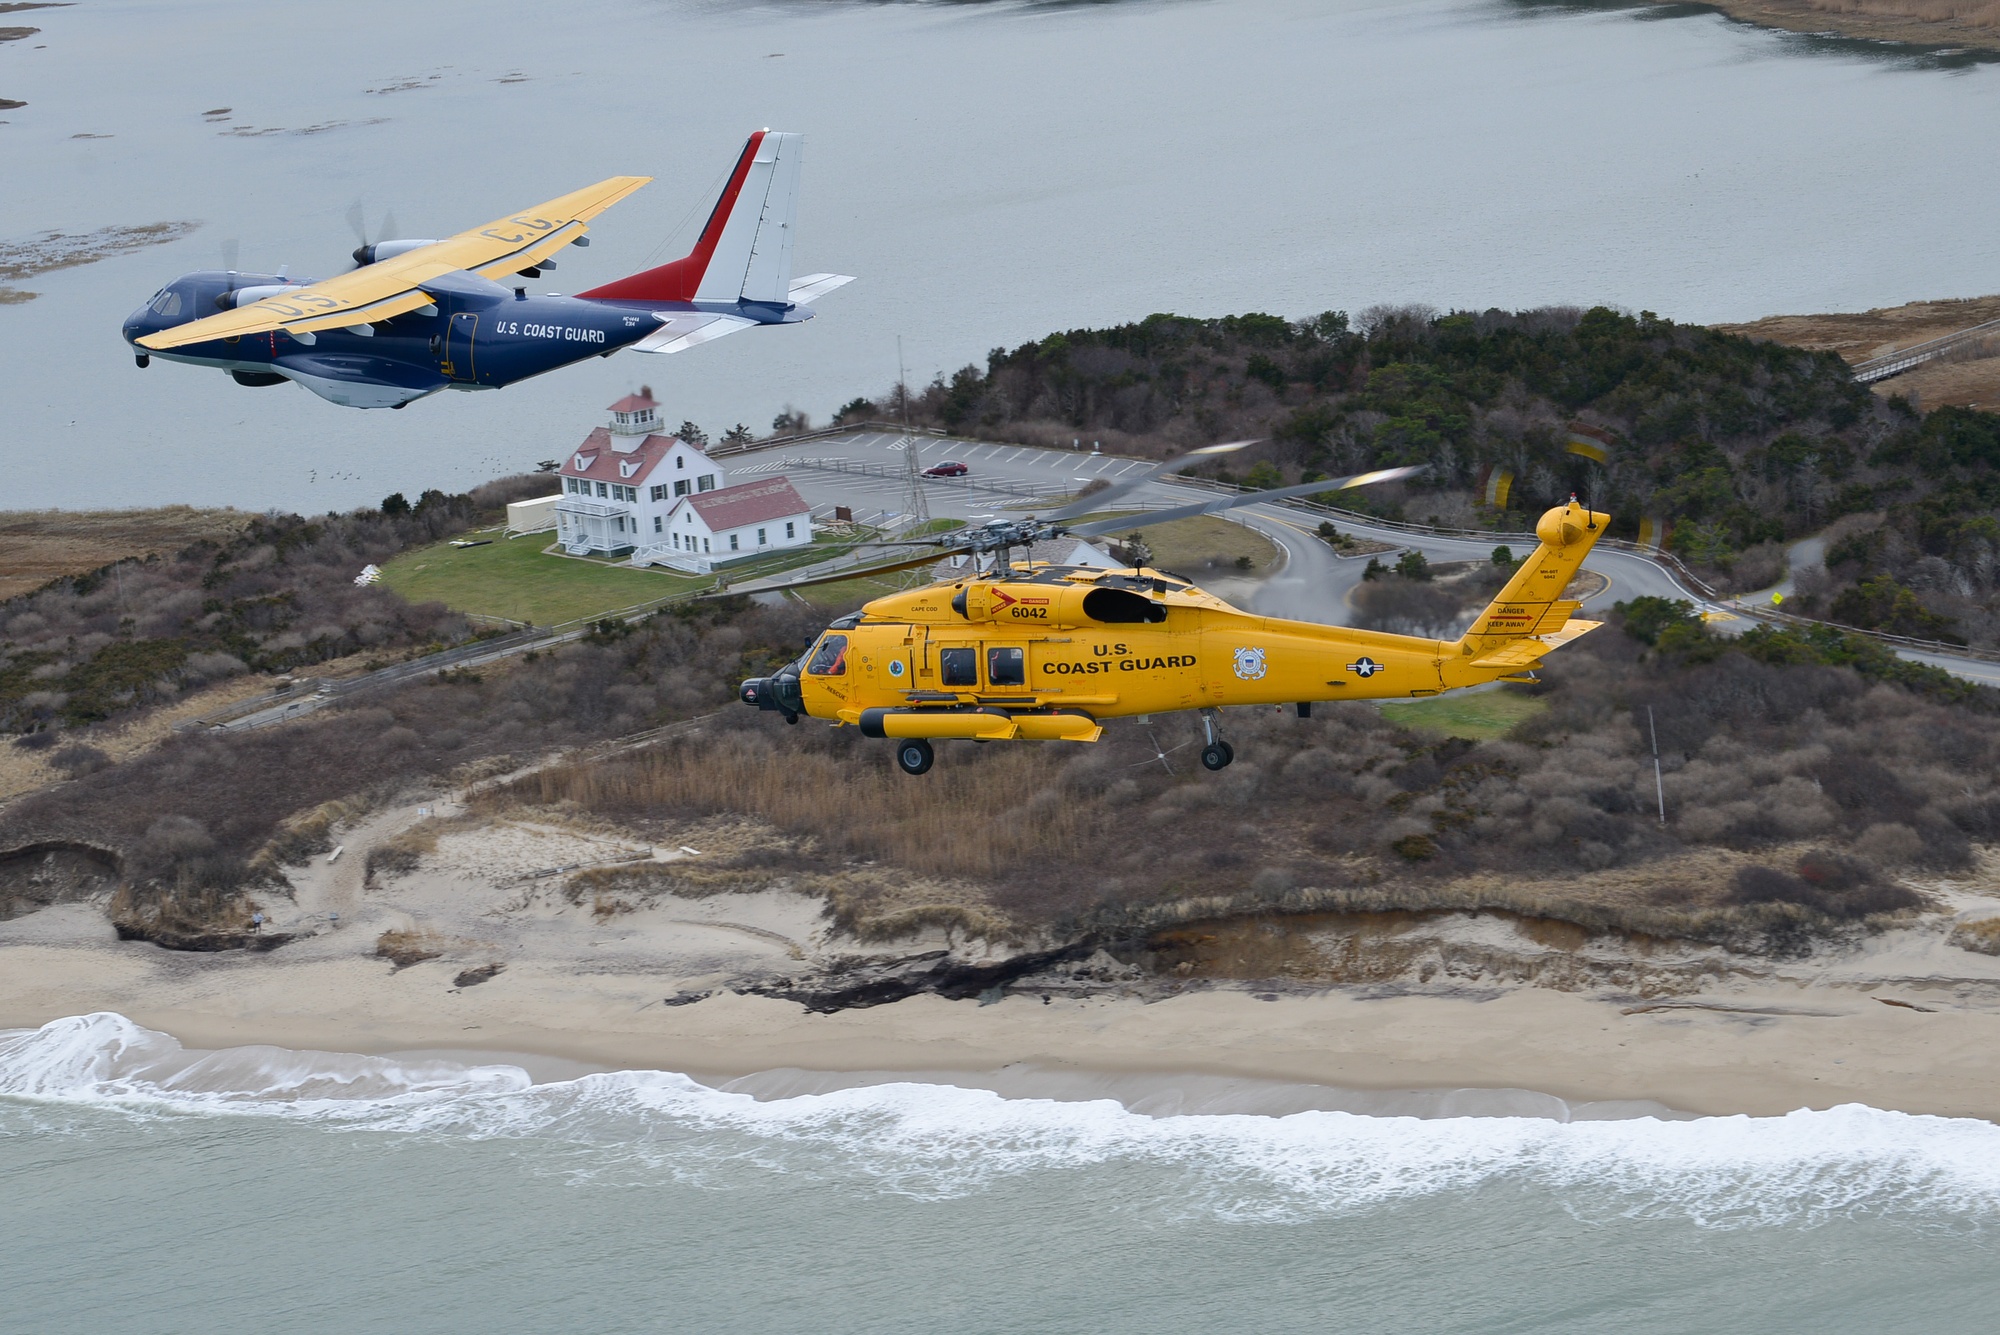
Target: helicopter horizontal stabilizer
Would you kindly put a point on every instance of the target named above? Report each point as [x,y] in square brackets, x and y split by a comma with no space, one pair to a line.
[1527,653]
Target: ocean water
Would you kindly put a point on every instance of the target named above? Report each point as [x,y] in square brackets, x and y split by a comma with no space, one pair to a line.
[143,1188]
[991,172]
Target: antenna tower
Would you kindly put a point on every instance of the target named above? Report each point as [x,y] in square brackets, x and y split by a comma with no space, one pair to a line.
[915,504]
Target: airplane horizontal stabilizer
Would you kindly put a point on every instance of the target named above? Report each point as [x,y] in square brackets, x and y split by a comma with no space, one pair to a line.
[807,290]
[683,330]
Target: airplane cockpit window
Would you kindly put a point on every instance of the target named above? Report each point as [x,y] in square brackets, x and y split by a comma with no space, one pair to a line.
[1006,667]
[830,659]
[167,304]
[958,667]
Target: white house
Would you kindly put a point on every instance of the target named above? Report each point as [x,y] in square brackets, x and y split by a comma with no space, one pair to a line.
[628,489]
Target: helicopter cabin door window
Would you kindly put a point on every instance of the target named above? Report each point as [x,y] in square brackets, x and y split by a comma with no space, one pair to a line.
[958,667]
[1006,665]
[829,659]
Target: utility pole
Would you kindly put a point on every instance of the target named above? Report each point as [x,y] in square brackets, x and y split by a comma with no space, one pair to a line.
[915,503]
[1659,784]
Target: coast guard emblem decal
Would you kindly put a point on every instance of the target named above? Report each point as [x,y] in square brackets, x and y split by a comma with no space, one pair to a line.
[1365,667]
[1249,664]
[895,667]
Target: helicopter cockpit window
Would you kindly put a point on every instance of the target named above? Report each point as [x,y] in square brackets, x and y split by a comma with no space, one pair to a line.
[830,658]
[167,304]
[958,667]
[1006,667]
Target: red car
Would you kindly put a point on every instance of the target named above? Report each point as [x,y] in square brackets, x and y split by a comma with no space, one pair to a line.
[947,469]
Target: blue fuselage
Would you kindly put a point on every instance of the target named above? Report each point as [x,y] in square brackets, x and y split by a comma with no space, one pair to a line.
[466,341]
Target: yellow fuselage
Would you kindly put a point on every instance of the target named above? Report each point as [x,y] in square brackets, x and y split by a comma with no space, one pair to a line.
[1043,652]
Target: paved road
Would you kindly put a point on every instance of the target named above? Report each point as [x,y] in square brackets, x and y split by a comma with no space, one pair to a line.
[1313,584]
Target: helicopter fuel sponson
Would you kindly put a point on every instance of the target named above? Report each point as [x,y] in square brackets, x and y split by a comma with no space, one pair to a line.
[1046,652]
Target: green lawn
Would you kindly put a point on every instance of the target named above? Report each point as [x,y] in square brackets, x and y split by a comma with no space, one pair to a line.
[1479,716]
[513,578]
[521,580]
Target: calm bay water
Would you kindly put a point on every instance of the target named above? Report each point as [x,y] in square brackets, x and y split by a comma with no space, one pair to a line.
[262,1190]
[991,172]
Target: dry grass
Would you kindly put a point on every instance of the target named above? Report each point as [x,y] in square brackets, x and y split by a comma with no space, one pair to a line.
[404,948]
[963,820]
[1981,935]
[37,546]
[400,853]
[1929,22]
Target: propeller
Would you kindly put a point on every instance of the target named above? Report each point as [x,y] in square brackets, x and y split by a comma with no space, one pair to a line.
[356,220]
[998,536]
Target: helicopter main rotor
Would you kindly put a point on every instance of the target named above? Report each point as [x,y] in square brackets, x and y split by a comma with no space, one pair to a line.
[1003,535]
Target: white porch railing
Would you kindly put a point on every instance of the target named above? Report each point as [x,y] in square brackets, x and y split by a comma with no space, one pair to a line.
[660,554]
[576,505]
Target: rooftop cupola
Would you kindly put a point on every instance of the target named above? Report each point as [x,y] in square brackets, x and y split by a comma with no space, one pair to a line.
[633,418]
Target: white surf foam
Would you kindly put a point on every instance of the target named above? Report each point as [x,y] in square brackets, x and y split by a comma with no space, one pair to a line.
[942,1140]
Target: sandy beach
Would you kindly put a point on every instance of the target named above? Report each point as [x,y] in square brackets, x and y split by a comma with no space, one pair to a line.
[1743,1053]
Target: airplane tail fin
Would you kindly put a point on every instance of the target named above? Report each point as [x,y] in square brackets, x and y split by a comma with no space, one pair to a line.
[745,249]
[1530,617]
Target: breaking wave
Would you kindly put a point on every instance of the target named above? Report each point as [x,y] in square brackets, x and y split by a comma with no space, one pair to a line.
[940,1140]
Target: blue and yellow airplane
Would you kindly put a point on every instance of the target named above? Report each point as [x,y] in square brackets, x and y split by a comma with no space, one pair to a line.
[416,317]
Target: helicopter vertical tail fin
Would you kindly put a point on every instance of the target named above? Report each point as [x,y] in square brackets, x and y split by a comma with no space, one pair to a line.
[1531,616]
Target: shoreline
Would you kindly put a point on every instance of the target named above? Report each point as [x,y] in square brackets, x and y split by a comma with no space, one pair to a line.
[1745,1053]
[1937,37]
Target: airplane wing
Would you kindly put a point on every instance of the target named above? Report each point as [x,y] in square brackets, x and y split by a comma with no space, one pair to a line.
[393,286]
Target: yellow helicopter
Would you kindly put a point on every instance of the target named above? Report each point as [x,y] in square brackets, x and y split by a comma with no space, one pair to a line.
[1032,651]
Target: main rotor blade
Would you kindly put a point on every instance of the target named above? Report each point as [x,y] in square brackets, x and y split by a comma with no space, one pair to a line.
[1096,500]
[837,577]
[1137,521]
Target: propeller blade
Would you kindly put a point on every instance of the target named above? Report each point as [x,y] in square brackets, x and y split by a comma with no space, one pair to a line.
[1097,500]
[354,221]
[837,577]
[1130,522]
[388,226]
[230,249]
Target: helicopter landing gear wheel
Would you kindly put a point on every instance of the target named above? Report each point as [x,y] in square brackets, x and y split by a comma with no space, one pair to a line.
[1218,753]
[914,755]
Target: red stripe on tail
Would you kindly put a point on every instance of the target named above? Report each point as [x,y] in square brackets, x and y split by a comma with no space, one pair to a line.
[681,279]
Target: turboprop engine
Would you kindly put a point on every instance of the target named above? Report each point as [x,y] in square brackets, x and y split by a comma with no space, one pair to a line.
[387,250]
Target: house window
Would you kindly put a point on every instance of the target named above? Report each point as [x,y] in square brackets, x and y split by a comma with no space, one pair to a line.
[762,541]
[621,523]
[704,544]
[656,523]
[681,487]
[732,542]
[1006,667]
[602,490]
[680,461]
[788,529]
[958,667]
[660,492]
[707,482]
[677,542]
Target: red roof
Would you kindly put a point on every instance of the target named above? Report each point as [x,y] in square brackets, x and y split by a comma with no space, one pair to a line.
[749,503]
[596,459]
[632,403]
